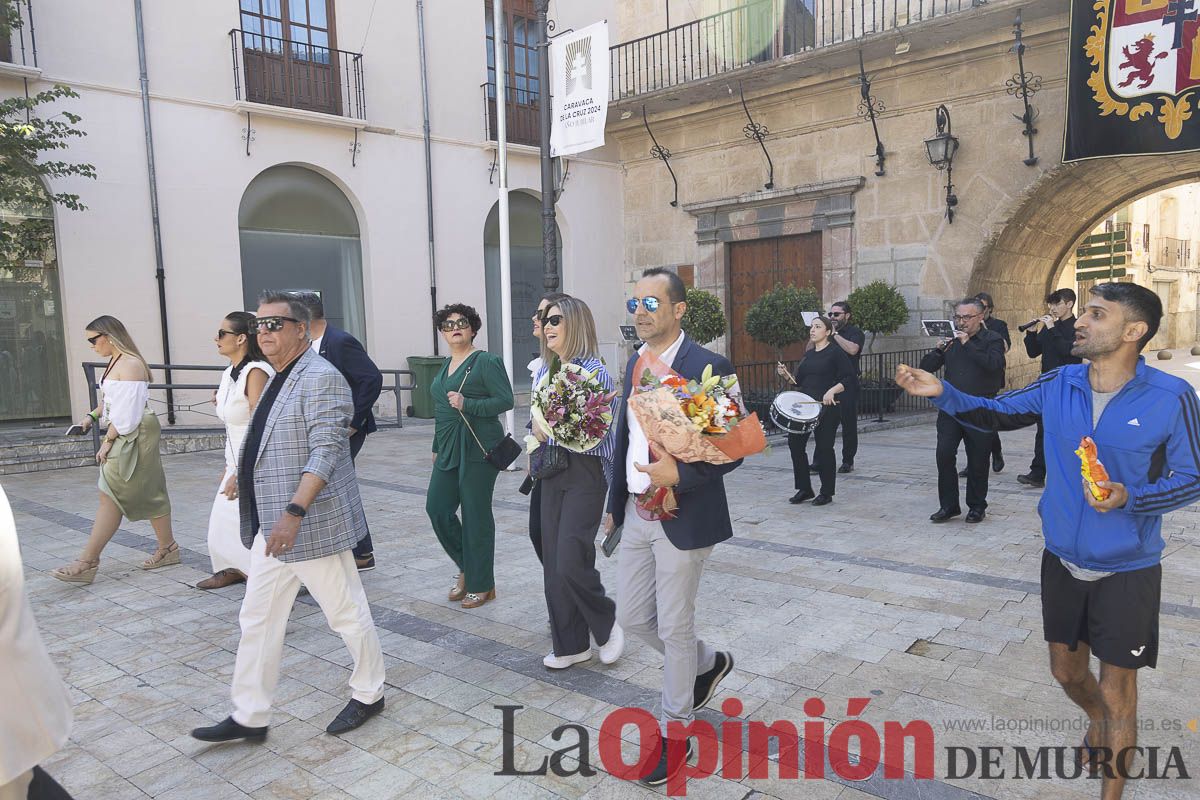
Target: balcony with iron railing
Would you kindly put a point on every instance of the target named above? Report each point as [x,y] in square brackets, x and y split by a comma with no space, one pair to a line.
[521,117]
[18,43]
[758,32]
[297,75]
[1171,253]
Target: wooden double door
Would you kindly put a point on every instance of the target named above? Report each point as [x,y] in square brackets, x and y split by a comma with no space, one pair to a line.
[755,267]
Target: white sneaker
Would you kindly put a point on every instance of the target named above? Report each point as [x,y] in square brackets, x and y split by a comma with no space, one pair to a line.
[562,662]
[614,647]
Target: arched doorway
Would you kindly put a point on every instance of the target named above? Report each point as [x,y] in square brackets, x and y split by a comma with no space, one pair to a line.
[299,231]
[33,359]
[1024,260]
[525,254]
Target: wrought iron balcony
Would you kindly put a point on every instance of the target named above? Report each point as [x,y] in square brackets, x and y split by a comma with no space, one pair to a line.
[522,123]
[281,72]
[18,45]
[757,32]
[1172,253]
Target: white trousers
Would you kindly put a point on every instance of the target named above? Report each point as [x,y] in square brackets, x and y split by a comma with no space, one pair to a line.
[17,789]
[271,589]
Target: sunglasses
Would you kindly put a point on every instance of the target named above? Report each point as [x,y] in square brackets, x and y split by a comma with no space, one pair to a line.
[459,324]
[93,339]
[651,304]
[272,324]
[552,322]
[835,313]
[222,333]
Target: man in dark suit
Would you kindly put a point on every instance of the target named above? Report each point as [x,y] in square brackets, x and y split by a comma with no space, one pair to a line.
[349,356]
[660,562]
[974,362]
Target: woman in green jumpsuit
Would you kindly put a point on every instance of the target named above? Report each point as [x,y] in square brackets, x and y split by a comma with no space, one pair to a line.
[469,394]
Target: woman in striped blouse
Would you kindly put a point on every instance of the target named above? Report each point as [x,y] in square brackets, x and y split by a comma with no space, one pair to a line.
[572,504]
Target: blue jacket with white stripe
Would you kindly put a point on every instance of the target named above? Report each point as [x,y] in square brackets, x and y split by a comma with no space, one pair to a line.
[1148,438]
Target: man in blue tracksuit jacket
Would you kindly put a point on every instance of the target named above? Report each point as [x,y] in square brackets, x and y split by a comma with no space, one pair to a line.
[1101,576]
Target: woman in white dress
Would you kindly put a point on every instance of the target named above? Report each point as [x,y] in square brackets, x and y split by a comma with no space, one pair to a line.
[132,484]
[241,385]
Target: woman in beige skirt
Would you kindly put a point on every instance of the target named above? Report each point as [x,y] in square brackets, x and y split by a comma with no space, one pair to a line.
[132,484]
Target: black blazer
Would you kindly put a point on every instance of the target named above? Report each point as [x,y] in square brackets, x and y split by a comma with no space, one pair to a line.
[976,367]
[348,355]
[703,516]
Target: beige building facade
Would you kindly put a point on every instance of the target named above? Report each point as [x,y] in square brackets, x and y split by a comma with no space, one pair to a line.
[288,146]
[832,222]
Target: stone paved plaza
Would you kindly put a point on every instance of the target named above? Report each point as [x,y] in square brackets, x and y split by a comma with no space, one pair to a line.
[861,598]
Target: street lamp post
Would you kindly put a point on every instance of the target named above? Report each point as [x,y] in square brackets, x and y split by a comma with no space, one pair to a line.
[549,228]
[941,149]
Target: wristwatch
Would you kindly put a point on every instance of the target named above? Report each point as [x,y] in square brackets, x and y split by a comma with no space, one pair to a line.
[296,510]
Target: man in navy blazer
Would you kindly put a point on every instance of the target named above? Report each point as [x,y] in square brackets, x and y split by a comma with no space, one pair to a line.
[349,356]
[660,562]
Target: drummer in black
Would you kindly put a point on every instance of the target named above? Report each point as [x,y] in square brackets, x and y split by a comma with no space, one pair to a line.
[824,373]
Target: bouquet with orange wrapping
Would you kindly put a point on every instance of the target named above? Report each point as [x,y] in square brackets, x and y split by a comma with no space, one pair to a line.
[692,420]
[1091,468]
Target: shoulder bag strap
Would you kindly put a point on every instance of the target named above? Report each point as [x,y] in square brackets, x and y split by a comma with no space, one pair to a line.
[466,421]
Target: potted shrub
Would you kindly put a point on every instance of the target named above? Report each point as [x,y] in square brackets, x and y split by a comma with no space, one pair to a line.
[775,319]
[704,320]
[877,308]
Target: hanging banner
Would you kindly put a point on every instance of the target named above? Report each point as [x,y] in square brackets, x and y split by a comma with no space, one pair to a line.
[579,90]
[1133,78]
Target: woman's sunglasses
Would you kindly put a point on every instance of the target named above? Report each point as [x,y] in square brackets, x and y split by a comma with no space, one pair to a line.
[93,339]
[552,322]
[222,333]
[459,324]
[272,324]
[651,304]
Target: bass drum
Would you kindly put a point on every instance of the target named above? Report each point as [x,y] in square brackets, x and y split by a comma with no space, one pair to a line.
[795,412]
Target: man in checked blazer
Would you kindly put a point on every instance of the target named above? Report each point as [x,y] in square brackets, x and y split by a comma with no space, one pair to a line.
[300,516]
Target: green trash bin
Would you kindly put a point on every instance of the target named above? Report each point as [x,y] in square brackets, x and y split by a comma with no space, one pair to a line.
[424,370]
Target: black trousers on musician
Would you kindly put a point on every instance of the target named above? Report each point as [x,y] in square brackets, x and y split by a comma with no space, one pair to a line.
[1037,467]
[979,446]
[825,434]
[848,403]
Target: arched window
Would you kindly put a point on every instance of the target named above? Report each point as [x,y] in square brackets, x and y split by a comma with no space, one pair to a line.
[298,231]
[33,359]
[525,255]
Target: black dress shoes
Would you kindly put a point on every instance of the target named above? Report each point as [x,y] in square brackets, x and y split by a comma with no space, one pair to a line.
[229,731]
[997,463]
[801,497]
[353,716]
[672,759]
[976,515]
[1031,480]
[962,473]
[822,500]
[847,466]
[706,683]
[943,514]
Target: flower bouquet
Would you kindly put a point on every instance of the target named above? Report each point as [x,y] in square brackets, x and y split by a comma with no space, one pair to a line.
[693,421]
[572,407]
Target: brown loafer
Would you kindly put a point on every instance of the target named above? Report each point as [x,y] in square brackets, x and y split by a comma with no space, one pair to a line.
[474,600]
[459,590]
[219,580]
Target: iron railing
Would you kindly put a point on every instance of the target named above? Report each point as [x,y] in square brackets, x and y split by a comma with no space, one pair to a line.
[1171,252]
[18,45]
[201,395]
[754,33]
[878,393]
[281,72]
[522,120]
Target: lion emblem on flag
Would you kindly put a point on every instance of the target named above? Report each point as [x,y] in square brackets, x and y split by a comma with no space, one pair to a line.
[1145,58]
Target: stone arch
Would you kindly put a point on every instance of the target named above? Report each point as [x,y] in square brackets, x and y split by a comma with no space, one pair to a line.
[1018,265]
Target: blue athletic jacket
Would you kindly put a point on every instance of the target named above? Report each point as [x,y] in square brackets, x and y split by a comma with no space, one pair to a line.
[1148,438]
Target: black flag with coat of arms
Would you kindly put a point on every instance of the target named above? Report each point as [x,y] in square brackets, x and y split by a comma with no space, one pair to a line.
[1133,78]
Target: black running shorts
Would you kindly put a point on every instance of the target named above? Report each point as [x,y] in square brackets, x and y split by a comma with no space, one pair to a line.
[1116,616]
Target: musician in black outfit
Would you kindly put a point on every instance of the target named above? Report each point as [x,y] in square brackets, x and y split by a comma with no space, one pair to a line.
[974,362]
[824,373]
[1000,327]
[1053,342]
[850,338]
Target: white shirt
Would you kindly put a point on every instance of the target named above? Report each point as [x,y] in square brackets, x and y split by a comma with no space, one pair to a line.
[125,403]
[639,447]
[316,344]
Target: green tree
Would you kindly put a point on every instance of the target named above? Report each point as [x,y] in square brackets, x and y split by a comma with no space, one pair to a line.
[878,308]
[704,320]
[775,318]
[25,140]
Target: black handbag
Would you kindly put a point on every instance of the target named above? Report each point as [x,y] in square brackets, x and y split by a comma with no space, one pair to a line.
[547,461]
[504,453]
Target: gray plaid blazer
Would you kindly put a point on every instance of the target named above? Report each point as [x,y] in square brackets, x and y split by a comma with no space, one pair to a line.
[308,430]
